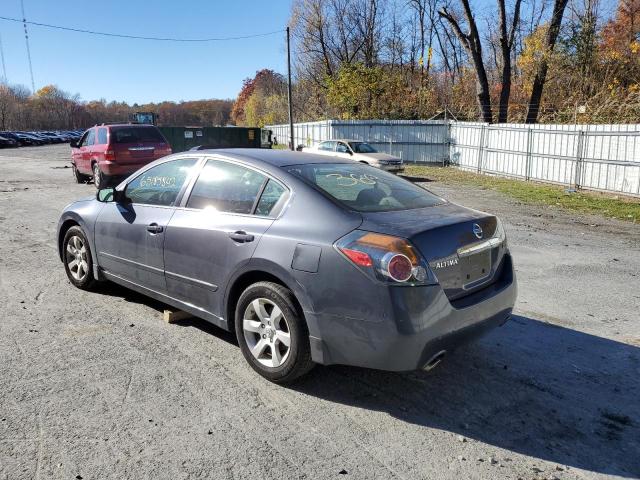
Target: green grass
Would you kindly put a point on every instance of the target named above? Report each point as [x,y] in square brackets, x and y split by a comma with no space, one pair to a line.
[607,205]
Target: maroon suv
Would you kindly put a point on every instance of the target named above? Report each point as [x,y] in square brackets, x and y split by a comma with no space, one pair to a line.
[106,151]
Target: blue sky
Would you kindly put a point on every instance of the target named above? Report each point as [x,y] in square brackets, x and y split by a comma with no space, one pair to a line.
[139,70]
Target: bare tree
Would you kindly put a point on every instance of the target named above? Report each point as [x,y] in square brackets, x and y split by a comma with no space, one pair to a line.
[541,72]
[507,36]
[473,45]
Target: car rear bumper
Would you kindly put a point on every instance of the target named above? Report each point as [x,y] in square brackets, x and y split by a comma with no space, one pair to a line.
[423,323]
[115,169]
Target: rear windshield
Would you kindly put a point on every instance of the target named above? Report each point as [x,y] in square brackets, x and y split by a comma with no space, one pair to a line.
[136,134]
[364,188]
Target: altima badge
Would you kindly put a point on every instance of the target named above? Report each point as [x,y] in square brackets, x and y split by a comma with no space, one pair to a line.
[477,230]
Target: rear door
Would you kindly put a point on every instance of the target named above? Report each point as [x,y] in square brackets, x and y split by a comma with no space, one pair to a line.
[130,236]
[227,211]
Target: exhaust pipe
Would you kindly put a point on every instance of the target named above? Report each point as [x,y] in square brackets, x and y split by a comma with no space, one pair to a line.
[434,361]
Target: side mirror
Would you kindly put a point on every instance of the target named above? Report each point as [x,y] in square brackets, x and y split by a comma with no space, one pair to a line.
[73,144]
[106,194]
[110,194]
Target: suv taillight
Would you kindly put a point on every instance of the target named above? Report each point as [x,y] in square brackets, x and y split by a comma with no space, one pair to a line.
[110,155]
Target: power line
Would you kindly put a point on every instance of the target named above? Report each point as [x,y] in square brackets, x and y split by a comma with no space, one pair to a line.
[135,37]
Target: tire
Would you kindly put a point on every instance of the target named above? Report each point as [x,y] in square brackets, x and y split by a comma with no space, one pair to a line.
[100,180]
[79,177]
[290,362]
[76,256]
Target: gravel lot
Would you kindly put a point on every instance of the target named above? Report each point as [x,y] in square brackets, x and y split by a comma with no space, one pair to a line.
[96,385]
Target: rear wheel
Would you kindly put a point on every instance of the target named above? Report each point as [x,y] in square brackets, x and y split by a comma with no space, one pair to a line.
[76,255]
[100,180]
[272,333]
[79,177]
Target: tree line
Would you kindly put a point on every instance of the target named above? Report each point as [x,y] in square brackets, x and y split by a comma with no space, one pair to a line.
[51,108]
[529,61]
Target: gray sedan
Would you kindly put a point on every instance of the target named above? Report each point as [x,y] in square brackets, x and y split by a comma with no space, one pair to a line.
[307,259]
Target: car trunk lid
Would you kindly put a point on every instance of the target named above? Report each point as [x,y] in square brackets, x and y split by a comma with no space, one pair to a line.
[457,242]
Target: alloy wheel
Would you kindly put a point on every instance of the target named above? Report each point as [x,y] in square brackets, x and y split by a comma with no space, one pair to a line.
[76,256]
[266,332]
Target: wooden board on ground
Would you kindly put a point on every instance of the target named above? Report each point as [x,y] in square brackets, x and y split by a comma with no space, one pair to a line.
[172,316]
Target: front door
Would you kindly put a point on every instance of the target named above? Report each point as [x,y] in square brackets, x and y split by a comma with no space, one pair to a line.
[230,207]
[130,236]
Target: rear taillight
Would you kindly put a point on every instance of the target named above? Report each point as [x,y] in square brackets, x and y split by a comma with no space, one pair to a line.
[109,155]
[385,258]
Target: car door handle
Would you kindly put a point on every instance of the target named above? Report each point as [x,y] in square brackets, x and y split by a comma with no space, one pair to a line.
[241,237]
[154,228]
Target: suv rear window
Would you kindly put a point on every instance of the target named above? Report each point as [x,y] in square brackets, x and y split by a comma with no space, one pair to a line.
[136,134]
[364,188]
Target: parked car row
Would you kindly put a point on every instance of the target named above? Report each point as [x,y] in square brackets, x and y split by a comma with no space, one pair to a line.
[27,139]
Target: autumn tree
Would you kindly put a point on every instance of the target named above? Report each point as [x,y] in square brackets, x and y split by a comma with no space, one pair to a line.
[541,73]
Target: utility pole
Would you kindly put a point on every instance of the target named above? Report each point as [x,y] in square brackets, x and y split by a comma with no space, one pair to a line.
[4,68]
[26,38]
[292,146]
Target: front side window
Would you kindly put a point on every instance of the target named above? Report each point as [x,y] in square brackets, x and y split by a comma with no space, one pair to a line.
[342,148]
[364,188]
[160,185]
[226,187]
[89,139]
[102,136]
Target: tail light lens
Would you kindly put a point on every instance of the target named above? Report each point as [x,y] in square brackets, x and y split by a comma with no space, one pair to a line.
[385,258]
[110,155]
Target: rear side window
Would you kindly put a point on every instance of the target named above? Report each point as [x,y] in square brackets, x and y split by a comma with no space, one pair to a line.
[226,187]
[102,136]
[136,134]
[161,184]
[364,188]
[272,199]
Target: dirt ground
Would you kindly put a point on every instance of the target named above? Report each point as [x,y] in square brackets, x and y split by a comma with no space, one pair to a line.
[96,385]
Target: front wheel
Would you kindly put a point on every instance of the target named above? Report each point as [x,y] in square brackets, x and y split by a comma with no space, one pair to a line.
[79,177]
[272,333]
[100,180]
[76,255]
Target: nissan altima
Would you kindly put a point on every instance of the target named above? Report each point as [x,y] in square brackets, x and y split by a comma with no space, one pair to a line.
[308,259]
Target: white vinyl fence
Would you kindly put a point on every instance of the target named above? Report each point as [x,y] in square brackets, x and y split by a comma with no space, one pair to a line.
[597,157]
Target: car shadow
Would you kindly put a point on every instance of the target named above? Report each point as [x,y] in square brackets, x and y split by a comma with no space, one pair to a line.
[529,387]
[128,295]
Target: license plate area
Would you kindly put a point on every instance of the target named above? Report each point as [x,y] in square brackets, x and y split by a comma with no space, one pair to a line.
[474,269]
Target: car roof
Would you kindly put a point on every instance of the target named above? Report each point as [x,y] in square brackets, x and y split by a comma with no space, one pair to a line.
[276,158]
[344,140]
